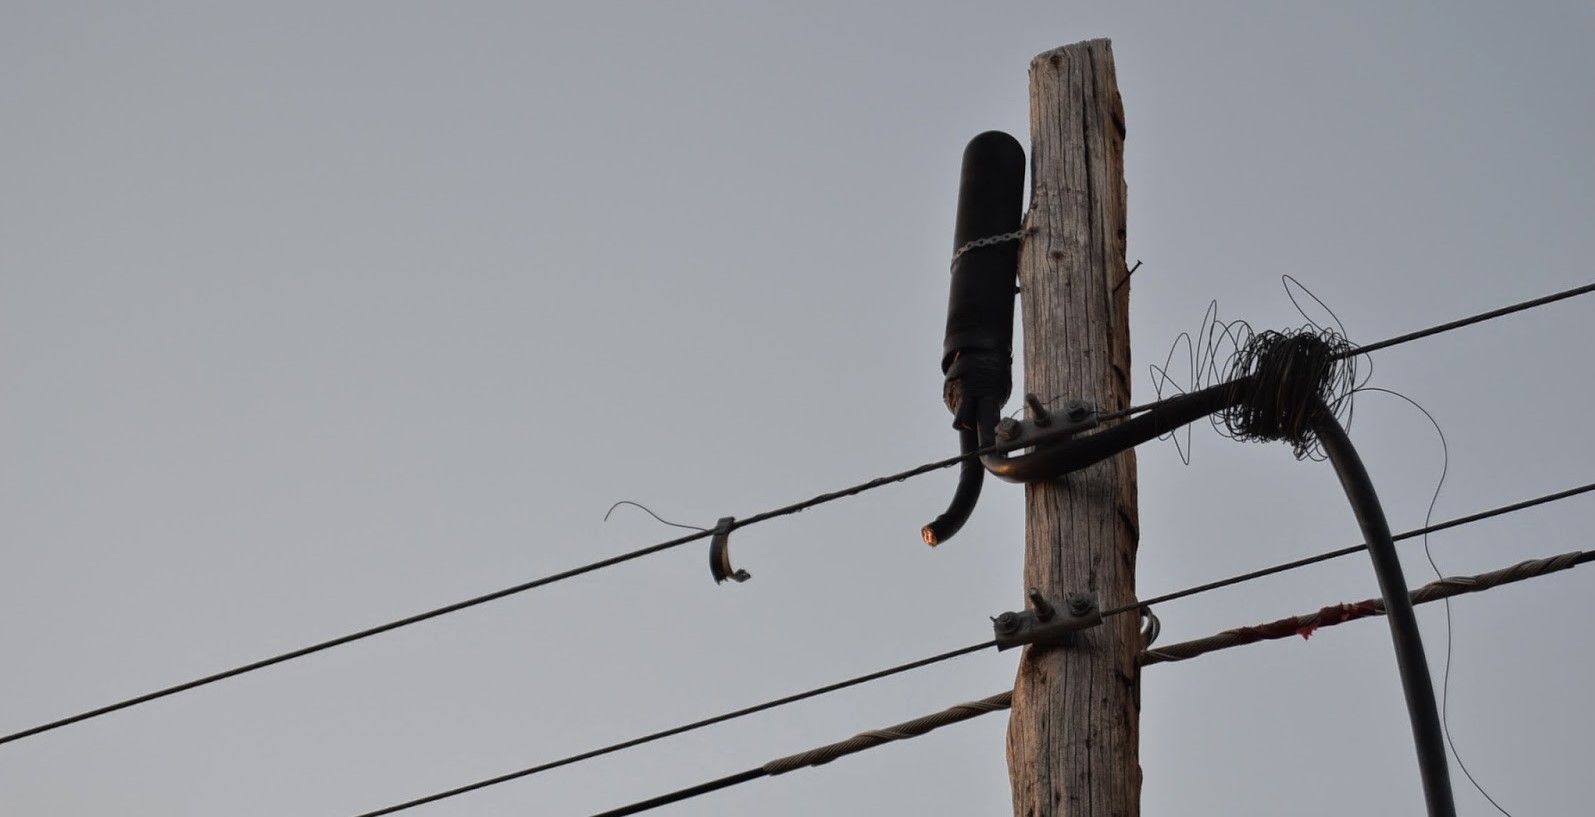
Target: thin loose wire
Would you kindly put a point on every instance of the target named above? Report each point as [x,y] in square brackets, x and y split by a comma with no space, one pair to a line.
[1450,629]
[657,518]
[1216,333]
[1412,664]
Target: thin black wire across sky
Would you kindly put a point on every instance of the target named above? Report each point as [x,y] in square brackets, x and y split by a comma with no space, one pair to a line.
[681,540]
[1183,651]
[494,596]
[935,659]
[728,716]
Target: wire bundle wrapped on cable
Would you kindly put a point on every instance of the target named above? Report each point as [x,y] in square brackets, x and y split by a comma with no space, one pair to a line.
[1291,377]
[1277,378]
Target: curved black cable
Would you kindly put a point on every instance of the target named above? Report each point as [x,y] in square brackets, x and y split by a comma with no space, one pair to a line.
[1052,461]
[981,438]
[971,476]
[1450,628]
[1410,659]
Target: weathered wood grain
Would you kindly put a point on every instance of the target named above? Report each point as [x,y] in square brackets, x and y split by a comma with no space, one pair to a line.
[1074,732]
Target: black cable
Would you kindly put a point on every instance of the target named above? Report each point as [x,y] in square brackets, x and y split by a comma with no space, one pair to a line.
[692,537]
[346,639]
[1190,591]
[1413,665]
[1469,321]
[828,688]
[971,476]
[1050,462]
[1395,341]
[1442,589]
[1450,629]
[1335,554]
[793,508]
[687,793]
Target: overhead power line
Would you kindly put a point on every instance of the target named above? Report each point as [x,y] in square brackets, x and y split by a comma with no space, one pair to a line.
[825,754]
[779,702]
[739,713]
[1303,625]
[1398,340]
[786,510]
[1306,624]
[1347,551]
[1473,319]
[544,581]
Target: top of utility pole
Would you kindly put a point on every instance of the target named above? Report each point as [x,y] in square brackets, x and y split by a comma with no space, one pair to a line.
[1073,736]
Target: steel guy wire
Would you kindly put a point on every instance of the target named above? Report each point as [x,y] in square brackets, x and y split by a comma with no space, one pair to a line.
[1303,625]
[825,754]
[1142,606]
[689,727]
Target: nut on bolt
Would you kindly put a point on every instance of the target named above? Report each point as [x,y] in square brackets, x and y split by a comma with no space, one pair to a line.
[1008,429]
[1080,604]
[1077,411]
[1006,624]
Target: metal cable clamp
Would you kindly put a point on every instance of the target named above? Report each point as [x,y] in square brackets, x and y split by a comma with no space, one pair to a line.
[720,553]
[1047,622]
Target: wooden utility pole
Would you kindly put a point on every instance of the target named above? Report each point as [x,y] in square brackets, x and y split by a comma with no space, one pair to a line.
[1074,733]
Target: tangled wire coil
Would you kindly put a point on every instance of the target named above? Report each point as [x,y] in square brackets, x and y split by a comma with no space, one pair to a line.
[1294,377]
[1290,376]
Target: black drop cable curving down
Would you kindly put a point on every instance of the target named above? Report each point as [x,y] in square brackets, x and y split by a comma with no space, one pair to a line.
[1410,659]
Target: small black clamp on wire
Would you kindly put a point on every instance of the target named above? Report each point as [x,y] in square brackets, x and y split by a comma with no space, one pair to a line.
[1047,622]
[720,553]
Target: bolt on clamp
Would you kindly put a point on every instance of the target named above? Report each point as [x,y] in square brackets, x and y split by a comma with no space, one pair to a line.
[1047,622]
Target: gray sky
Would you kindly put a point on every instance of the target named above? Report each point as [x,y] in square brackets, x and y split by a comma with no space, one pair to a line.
[317,315]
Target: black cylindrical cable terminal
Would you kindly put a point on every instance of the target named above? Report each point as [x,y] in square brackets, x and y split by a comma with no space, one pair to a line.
[977,352]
